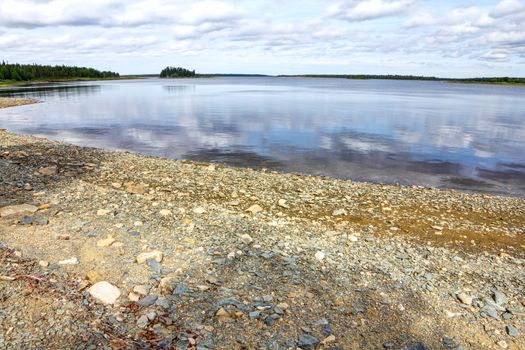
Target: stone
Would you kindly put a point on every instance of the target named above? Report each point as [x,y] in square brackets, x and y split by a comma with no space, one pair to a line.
[499,298]
[222,314]
[163,303]
[511,330]
[489,311]
[106,242]
[199,210]
[148,300]
[353,238]
[141,289]
[132,296]
[136,188]
[465,298]
[104,292]
[70,261]
[143,321]
[320,255]
[43,263]
[254,209]
[94,276]
[307,342]
[103,212]
[28,187]
[48,171]
[282,203]
[339,212]
[246,239]
[165,212]
[155,255]
[62,237]
[329,340]
[167,285]
[31,220]
[503,344]
[14,210]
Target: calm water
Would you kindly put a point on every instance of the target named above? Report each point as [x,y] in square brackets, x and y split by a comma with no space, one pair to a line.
[469,137]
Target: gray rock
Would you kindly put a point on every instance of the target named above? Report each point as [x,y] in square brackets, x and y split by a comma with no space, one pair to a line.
[489,311]
[307,342]
[163,303]
[499,297]
[143,321]
[148,300]
[512,331]
[254,314]
[415,346]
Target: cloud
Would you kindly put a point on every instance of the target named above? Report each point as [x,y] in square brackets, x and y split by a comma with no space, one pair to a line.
[507,7]
[113,13]
[369,9]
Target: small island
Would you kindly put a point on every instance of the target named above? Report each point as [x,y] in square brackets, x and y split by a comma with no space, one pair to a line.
[177,72]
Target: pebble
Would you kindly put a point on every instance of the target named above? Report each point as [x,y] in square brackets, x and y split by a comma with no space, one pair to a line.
[148,300]
[254,209]
[141,289]
[320,256]
[199,210]
[106,242]
[143,257]
[104,292]
[70,261]
[246,239]
[308,342]
[282,203]
[43,263]
[502,344]
[143,321]
[48,171]
[511,330]
[465,298]
[165,212]
[499,298]
[339,212]
[103,212]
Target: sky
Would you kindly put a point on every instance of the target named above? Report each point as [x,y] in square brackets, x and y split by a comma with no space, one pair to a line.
[420,37]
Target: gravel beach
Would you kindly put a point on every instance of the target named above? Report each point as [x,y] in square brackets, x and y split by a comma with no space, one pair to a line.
[114,250]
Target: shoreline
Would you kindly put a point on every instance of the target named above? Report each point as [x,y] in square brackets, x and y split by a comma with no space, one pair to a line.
[242,258]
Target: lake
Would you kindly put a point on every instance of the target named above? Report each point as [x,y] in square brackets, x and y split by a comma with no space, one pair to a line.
[461,136]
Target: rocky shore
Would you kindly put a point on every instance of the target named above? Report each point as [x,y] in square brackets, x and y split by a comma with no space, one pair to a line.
[109,250]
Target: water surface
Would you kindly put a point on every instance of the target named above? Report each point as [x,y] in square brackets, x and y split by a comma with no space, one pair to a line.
[468,137]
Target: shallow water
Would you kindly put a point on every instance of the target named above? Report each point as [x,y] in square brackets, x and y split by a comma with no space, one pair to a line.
[468,137]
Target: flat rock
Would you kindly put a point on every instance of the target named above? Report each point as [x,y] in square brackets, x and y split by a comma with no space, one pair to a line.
[14,210]
[106,242]
[254,209]
[155,255]
[104,292]
[48,171]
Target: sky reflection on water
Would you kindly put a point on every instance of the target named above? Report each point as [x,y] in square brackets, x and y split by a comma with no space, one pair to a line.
[469,137]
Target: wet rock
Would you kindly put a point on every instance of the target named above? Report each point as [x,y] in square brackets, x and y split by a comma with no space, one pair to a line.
[104,292]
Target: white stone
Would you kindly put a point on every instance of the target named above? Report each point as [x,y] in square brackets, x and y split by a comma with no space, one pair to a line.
[246,239]
[71,261]
[102,212]
[282,203]
[106,242]
[199,210]
[320,256]
[165,212]
[339,212]
[104,292]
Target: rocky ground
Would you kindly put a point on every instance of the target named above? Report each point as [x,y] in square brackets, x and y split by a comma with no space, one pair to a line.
[121,251]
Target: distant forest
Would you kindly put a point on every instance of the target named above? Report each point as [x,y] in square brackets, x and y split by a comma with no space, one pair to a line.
[177,72]
[507,80]
[26,72]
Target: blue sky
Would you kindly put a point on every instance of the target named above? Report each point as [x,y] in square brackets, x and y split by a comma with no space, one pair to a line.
[441,38]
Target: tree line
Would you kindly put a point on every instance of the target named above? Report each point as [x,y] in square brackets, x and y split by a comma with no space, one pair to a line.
[413,77]
[26,72]
[176,72]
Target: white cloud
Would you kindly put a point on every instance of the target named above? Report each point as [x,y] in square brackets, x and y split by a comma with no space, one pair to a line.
[369,9]
[507,7]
